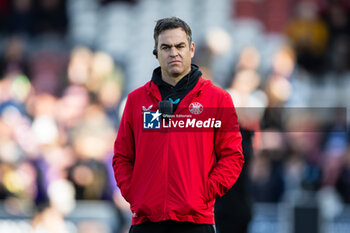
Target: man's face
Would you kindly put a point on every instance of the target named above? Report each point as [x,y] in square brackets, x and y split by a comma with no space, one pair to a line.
[174,53]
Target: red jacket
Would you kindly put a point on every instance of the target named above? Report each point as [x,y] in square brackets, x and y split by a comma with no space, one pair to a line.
[176,175]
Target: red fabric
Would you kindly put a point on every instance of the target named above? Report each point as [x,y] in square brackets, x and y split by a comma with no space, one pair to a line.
[176,175]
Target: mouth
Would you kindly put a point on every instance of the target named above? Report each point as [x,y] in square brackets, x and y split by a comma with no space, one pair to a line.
[174,62]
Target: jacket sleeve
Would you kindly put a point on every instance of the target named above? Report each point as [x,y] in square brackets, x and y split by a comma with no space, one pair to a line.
[124,152]
[228,150]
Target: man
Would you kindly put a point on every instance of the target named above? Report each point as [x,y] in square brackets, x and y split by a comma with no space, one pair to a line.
[171,176]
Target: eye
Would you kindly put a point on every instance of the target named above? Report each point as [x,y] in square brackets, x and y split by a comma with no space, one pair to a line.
[165,47]
[181,46]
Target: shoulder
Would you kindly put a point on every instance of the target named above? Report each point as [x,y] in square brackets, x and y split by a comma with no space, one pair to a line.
[139,92]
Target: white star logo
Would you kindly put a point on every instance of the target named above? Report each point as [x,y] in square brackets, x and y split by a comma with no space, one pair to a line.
[155,115]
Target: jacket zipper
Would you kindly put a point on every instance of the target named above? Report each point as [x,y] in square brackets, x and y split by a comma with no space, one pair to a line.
[166,180]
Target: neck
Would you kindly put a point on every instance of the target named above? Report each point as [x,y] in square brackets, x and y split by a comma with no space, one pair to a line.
[172,80]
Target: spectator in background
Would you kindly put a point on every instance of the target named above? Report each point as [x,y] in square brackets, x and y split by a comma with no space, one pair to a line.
[91,138]
[51,218]
[343,182]
[22,183]
[50,17]
[309,36]
[103,79]
[233,211]
[21,17]
[278,87]
[336,15]
[47,71]
[267,169]
[14,60]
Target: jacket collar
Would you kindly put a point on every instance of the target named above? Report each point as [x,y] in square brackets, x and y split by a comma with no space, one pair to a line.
[153,89]
[187,82]
[202,84]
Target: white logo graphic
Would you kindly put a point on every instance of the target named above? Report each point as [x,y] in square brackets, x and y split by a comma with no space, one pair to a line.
[146,109]
[195,108]
[151,120]
[156,115]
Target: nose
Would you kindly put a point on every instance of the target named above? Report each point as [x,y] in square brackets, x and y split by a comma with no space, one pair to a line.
[173,51]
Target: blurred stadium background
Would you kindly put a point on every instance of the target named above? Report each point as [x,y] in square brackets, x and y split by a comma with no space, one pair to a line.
[66,67]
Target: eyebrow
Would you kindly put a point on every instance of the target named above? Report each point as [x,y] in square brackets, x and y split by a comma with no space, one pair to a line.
[167,45]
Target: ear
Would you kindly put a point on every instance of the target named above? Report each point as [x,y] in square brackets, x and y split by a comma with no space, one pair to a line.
[192,48]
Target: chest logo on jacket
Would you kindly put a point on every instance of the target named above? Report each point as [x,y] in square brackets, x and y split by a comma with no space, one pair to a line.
[195,108]
[147,109]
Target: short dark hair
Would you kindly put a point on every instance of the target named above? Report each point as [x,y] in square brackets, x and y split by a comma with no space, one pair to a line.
[171,23]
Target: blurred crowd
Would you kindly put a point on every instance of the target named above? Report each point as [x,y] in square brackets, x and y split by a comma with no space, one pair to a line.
[60,108]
